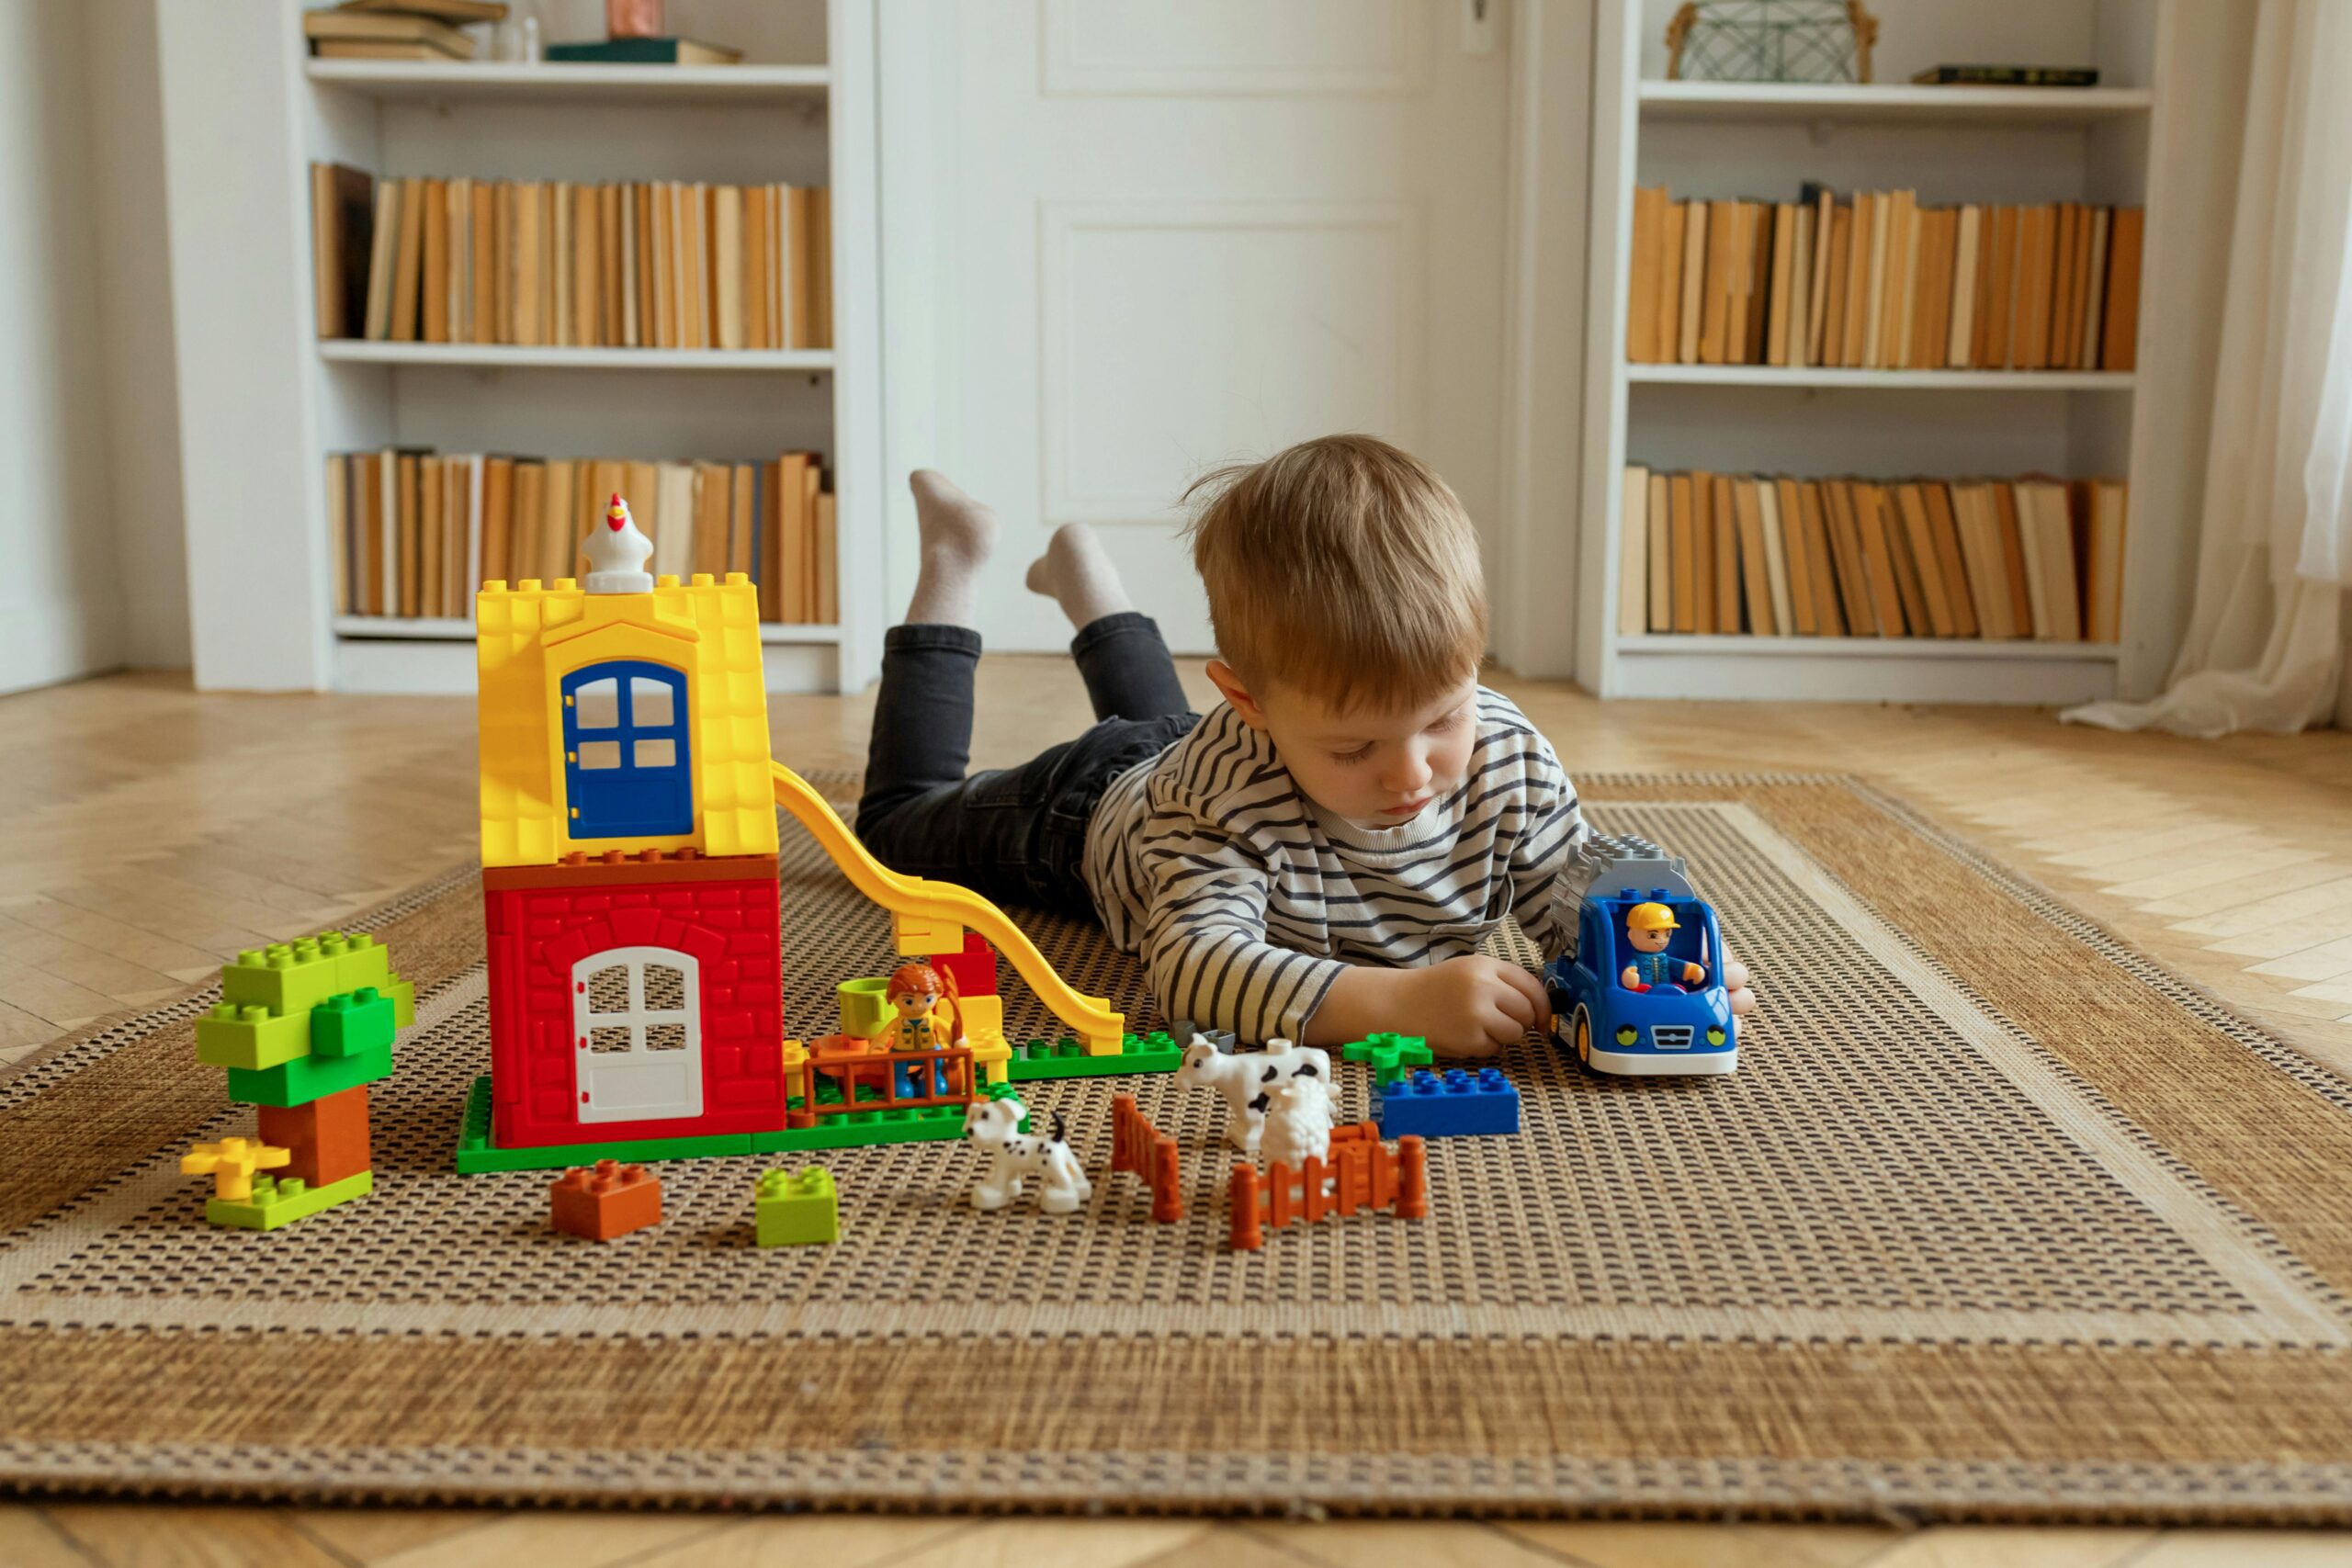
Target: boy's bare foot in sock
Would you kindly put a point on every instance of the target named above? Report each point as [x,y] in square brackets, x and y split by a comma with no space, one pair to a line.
[1076,574]
[958,536]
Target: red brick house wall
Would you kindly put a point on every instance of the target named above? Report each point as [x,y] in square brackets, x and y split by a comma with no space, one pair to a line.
[542,920]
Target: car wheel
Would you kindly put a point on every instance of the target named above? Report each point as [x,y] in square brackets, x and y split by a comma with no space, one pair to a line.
[1584,1036]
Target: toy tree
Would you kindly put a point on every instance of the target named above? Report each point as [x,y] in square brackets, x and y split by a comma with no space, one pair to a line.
[302,1028]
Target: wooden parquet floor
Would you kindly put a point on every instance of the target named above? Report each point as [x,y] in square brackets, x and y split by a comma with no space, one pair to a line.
[153,832]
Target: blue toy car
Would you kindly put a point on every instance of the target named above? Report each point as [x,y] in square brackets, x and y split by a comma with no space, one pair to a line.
[1674,1019]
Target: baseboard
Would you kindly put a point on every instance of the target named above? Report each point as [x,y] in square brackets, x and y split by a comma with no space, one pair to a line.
[48,644]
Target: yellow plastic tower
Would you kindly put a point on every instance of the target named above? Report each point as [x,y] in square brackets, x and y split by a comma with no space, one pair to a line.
[529,637]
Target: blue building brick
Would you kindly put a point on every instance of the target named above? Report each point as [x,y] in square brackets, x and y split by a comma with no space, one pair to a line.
[1457,1105]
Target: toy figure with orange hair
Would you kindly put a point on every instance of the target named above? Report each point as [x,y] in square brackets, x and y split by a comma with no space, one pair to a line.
[915,992]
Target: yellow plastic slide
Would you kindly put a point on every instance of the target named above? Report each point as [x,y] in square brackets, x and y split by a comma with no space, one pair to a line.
[937,912]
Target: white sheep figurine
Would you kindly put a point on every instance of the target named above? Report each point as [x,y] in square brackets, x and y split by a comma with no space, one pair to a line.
[1298,1121]
[1014,1157]
[1242,1081]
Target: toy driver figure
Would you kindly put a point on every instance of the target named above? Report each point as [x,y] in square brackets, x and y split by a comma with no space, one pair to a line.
[1648,927]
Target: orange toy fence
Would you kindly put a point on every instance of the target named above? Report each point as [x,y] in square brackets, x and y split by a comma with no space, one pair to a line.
[1360,1174]
[946,1071]
[1138,1146]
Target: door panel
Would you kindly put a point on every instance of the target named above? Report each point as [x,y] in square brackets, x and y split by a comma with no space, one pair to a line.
[636,1034]
[1201,305]
[627,769]
[1234,46]
[1145,239]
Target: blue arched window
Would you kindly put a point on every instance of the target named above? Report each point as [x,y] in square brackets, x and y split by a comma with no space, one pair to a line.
[625,750]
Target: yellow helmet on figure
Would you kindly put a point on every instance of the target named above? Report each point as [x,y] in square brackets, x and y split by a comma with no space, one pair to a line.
[1651,918]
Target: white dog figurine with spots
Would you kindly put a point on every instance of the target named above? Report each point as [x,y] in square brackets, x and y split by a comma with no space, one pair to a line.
[1242,1081]
[1016,1157]
[1298,1121]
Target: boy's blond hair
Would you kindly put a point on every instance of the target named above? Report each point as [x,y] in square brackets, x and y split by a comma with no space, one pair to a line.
[1343,567]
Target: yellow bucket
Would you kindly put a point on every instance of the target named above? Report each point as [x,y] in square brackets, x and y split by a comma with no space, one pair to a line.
[865,1007]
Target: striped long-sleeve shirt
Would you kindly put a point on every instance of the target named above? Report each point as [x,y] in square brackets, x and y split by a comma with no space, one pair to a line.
[1246,900]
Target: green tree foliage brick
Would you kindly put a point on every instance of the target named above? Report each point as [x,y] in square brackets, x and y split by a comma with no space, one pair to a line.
[350,1024]
[306,1078]
[252,1037]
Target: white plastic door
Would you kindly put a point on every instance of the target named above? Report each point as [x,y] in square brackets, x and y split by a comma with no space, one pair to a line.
[636,1034]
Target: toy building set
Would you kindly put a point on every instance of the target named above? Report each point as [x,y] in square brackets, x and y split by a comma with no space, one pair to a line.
[629,844]
[637,984]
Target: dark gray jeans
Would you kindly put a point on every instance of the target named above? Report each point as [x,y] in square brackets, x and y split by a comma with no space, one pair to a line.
[1017,834]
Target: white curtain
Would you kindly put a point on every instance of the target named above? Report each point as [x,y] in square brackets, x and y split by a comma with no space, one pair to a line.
[2264,649]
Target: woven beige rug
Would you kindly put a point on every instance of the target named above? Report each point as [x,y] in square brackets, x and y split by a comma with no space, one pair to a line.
[1997,1220]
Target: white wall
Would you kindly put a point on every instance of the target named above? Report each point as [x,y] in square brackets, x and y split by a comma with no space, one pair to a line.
[134,281]
[1546,249]
[243,325]
[95,573]
[61,611]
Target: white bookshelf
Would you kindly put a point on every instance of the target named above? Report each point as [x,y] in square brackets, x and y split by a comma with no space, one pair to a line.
[1885,103]
[799,110]
[504,356]
[408,81]
[433,628]
[1714,140]
[1882,380]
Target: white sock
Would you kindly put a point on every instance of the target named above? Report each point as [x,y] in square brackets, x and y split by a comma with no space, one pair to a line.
[958,535]
[1077,575]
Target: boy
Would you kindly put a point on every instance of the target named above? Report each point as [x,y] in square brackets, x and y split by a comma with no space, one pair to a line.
[1320,856]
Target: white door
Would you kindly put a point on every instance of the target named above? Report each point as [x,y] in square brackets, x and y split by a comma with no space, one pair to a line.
[636,1034]
[1125,240]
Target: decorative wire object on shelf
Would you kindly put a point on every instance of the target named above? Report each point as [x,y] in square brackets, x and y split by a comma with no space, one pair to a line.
[1770,41]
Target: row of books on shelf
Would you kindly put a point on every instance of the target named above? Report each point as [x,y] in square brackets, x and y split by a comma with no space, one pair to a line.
[414,532]
[1771,556]
[396,30]
[1878,282]
[551,263]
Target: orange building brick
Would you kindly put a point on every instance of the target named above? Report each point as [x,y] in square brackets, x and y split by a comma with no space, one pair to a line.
[610,1200]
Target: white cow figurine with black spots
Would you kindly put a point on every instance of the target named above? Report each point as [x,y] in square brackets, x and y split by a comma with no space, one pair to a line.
[1015,1157]
[1242,1078]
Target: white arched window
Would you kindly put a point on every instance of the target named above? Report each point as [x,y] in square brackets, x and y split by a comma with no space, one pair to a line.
[636,1034]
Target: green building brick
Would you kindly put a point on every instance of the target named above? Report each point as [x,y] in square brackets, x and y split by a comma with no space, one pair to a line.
[287,978]
[306,1078]
[1066,1059]
[403,997]
[1391,1055]
[796,1210]
[276,1203]
[349,1024]
[294,977]
[252,1038]
[363,962]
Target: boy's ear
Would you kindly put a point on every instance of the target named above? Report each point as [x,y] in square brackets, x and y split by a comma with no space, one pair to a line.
[1228,684]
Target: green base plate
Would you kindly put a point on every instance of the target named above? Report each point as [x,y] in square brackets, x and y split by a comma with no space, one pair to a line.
[276,1203]
[1065,1058]
[1154,1053]
[477,1153]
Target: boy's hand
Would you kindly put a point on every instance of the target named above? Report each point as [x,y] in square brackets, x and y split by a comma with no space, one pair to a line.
[1471,1006]
[1736,991]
